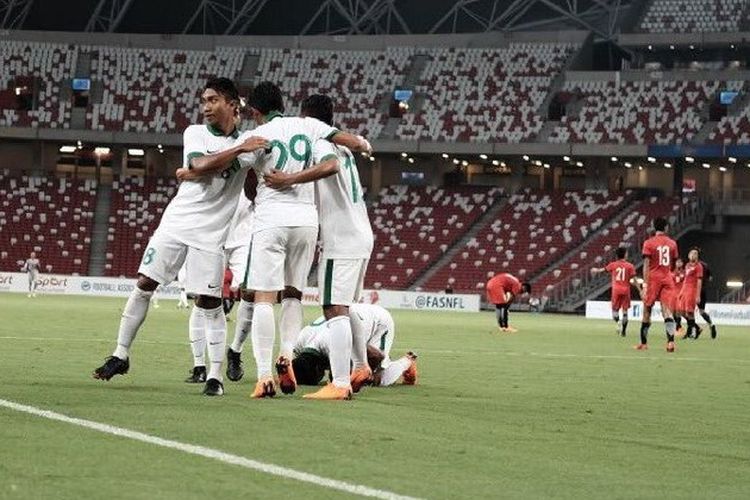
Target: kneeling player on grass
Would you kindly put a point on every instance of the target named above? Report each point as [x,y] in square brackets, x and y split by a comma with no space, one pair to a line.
[191,232]
[313,348]
[690,294]
[659,254]
[502,290]
[621,272]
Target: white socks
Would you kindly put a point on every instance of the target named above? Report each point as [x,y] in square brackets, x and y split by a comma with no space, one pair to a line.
[132,319]
[244,322]
[216,335]
[340,349]
[290,324]
[359,339]
[393,371]
[263,332]
[197,328]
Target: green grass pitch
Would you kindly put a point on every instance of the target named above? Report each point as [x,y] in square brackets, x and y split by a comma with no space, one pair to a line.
[562,409]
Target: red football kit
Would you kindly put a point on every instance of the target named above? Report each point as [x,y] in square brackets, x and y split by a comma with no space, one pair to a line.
[499,285]
[621,272]
[688,295]
[661,252]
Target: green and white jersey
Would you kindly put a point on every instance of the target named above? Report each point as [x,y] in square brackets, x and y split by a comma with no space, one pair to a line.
[345,230]
[200,212]
[378,324]
[291,141]
[240,229]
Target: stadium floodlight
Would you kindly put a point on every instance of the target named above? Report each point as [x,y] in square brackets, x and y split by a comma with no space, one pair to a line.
[67,149]
[734,284]
[79,145]
[614,158]
[640,167]
[136,152]
[748,165]
[566,158]
[101,151]
[671,47]
[525,157]
[722,169]
[692,47]
[404,155]
[546,165]
[445,156]
[455,161]
[732,159]
[650,47]
[483,156]
[706,165]
[503,164]
[464,163]
[690,159]
[628,164]
[411,160]
[538,163]
[651,159]
[496,162]
[731,46]
[372,158]
[579,164]
[667,165]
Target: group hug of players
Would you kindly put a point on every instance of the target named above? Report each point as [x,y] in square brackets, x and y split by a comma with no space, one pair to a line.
[306,177]
[679,287]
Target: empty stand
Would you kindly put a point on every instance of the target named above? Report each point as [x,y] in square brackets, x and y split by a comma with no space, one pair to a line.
[642,112]
[734,129]
[52,217]
[533,230]
[482,95]
[46,66]
[154,90]
[415,226]
[693,16]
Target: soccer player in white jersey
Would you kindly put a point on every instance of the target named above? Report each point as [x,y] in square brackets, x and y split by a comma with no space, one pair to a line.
[347,242]
[31,268]
[313,349]
[192,232]
[285,226]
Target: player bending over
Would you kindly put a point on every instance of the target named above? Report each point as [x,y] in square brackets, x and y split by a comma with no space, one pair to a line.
[285,226]
[347,242]
[192,232]
[622,272]
[659,254]
[313,347]
[502,290]
[31,268]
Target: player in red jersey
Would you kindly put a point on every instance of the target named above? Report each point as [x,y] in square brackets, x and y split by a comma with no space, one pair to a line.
[502,290]
[659,255]
[690,294]
[678,274]
[621,272]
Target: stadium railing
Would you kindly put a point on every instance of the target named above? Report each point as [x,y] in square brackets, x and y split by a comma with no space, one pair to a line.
[574,290]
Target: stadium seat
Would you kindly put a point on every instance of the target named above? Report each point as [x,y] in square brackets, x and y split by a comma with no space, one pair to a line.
[693,16]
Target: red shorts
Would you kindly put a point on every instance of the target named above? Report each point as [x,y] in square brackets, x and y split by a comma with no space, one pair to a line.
[688,301]
[661,289]
[620,300]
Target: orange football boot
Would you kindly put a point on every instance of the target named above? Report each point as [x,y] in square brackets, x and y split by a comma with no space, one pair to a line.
[287,380]
[330,392]
[410,375]
[360,377]
[510,329]
[641,347]
[264,388]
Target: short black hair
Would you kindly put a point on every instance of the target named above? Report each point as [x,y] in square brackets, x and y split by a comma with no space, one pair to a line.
[319,106]
[697,249]
[660,224]
[225,87]
[526,287]
[308,369]
[266,97]
[621,252]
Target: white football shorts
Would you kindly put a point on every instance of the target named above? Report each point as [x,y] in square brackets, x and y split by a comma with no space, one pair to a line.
[280,257]
[340,281]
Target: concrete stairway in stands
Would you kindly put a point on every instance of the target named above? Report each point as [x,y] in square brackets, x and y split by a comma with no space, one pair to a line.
[100,231]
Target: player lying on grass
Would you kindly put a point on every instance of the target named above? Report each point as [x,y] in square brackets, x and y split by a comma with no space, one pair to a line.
[285,227]
[622,273]
[192,232]
[313,347]
[347,240]
[502,290]
[659,255]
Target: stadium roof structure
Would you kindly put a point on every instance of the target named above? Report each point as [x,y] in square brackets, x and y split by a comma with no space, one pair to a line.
[322,17]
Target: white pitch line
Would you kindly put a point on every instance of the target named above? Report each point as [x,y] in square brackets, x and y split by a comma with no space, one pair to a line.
[74,339]
[202,451]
